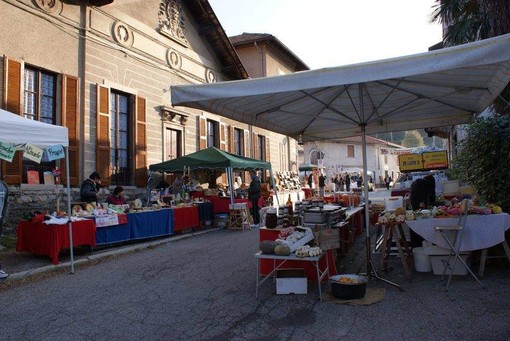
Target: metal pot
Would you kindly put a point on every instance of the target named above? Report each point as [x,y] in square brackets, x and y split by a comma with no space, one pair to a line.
[346,290]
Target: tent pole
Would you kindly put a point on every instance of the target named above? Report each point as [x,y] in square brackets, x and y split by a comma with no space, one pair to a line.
[69,212]
[230,184]
[371,269]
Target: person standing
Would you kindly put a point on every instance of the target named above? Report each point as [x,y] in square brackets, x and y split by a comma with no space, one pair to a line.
[254,196]
[347,182]
[322,184]
[90,187]
[387,181]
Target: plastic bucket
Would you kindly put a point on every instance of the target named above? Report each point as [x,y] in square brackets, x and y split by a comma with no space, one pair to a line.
[422,261]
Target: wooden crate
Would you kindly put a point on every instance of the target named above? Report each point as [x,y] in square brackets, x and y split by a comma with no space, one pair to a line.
[327,239]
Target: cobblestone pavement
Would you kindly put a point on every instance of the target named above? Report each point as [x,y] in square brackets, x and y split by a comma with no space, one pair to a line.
[203,288]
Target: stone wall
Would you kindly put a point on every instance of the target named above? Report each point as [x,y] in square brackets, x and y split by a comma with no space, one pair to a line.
[25,199]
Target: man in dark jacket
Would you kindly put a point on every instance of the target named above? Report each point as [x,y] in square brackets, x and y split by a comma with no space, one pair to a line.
[423,195]
[90,187]
[254,195]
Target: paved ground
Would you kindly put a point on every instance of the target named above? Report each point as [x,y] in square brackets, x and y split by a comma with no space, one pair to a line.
[203,288]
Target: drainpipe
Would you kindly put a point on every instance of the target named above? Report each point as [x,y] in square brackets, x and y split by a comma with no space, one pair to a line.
[82,74]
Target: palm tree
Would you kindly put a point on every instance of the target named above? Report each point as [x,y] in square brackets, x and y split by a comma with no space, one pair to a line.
[469,20]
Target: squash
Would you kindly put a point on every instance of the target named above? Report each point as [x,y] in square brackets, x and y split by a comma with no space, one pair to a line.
[400,211]
[267,246]
[282,250]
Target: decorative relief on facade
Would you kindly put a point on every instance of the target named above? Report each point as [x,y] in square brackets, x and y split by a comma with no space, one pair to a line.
[48,6]
[169,115]
[122,34]
[210,76]
[173,59]
[172,21]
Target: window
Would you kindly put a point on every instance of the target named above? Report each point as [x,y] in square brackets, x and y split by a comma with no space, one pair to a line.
[238,141]
[350,150]
[315,156]
[261,147]
[213,134]
[173,149]
[119,138]
[40,89]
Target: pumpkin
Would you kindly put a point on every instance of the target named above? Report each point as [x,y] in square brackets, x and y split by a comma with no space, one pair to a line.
[400,211]
[267,246]
[282,250]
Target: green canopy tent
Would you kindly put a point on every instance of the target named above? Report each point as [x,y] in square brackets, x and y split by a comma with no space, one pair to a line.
[214,158]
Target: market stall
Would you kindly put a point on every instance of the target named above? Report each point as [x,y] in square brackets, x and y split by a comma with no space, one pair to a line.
[437,88]
[213,158]
[20,133]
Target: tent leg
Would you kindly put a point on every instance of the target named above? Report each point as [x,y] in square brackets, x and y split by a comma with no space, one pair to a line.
[69,212]
[230,181]
[371,269]
[274,187]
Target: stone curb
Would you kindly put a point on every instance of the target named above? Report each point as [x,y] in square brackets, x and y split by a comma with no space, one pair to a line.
[128,249]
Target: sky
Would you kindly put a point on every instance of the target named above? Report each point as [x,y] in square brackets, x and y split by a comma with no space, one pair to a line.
[324,33]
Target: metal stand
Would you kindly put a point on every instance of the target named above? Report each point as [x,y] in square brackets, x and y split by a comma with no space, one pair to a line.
[372,270]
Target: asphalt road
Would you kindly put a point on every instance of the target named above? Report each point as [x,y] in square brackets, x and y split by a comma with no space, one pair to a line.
[203,288]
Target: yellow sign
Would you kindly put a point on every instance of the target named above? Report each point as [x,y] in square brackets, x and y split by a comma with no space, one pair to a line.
[435,160]
[410,162]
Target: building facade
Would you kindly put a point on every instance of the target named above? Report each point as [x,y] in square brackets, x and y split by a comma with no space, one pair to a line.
[104,69]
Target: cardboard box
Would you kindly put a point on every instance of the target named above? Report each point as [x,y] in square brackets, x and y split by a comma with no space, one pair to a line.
[327,239]
[291,281]
[309,237]
[438,254]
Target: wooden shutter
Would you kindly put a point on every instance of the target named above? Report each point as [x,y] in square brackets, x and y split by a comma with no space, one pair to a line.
[246,143]
[141,143]
[202,133]
[231,147]
[254,143]
[268,150]
[103,134]
[11,171]
[223,136]
[71,119]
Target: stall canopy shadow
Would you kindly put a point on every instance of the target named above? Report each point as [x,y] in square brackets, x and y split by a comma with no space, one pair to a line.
[431,89]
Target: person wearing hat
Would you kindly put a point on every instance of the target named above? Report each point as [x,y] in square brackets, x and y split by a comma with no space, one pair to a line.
[90,187]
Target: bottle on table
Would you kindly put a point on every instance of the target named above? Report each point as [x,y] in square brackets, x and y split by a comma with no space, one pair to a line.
[290,210]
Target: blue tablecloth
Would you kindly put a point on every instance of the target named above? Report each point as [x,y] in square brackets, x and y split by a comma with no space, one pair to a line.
[205,211]
[140,225]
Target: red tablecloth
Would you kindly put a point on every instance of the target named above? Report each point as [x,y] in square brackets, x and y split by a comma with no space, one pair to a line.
[185,217]
[48,240]
[266,265]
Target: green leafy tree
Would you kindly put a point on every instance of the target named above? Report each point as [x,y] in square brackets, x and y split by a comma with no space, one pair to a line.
[412,138]
[471,20]
[484,158]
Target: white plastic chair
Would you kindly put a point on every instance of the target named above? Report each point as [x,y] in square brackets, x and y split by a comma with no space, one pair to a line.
[453,237]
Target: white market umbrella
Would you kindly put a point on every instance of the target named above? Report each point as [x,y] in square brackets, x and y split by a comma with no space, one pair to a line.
[432,89]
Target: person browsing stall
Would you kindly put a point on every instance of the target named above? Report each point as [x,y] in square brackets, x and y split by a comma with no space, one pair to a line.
[254,195]
[117,198]
[90,187]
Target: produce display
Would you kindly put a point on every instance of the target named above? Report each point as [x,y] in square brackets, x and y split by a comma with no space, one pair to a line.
[308,251]
[291,239]
[400,214]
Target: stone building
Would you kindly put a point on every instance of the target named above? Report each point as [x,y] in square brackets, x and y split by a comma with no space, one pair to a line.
[104,68]
[346,155]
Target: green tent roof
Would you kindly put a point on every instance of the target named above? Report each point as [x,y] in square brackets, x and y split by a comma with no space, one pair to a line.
[211,158]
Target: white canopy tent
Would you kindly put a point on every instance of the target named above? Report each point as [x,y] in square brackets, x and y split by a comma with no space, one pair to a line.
[431,89]
[16,129]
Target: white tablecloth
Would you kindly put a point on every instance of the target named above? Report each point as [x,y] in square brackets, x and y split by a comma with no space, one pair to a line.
[480,232]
